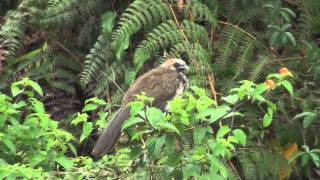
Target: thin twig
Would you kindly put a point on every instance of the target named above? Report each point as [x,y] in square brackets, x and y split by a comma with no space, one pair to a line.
[113,82]
[68,51]
[182,33]
[212,87]
[234,169]
[290,58]
[237,27]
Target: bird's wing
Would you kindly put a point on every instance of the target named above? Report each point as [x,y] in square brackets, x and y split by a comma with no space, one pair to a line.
[161,84]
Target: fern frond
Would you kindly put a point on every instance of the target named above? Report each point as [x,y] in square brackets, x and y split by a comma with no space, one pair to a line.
[141,13]
[227,46]
[167,34]
[199,56]
[308,21]
[200,12]
[107,76]
[198,80]
[260,163]
[117,97]
[99,56]
[259,67]
[60,13]
[246,53]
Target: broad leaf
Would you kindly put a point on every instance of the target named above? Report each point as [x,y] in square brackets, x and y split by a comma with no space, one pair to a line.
[267,119]
[89,107]
[107,21]
[240,135]
[223,130]
[86,130]
[131,121]
[64,162]
[35,86]
[232,99]
[169,126]
[288,86]
[9,144]
[154,116]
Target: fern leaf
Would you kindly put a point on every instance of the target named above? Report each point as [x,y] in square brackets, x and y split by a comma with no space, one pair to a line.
[99,56]
[259,67]
[227,46]
[167,34]
[141,13]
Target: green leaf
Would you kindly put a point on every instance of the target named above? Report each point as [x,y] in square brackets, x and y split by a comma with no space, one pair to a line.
[277,76]
[131,121]
[232,99]
[199,133]
[169,126]
[274,38]
[315,158]
[135,107]
[120,46]
[38,106]
[289,11]
[258,90]
[154,116]
[315,151]
[130,76]
[107,21]
[170,144]
[305,159]
[303,114]
[158,145]
[288,86]
[306,148]
[295,156]
[285,15]
[308,120]
[286,26]
[81,117]
[267,119]
[191,170]
[240,135]
[9,144]
[73,149]
[15,91]
[89,107]
[64,162]
[223,130]
[35,86]
[95,100]
[86,130]
[38,158]
[291,38]
[215,113]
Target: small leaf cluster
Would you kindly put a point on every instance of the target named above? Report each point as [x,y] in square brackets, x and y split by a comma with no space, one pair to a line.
[29,136]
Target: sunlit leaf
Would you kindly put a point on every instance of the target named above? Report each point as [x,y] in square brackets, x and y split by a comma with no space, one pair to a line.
[86,130]
[223,130]
[240,135]
[288,86]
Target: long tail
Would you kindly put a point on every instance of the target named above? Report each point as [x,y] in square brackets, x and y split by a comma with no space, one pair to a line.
[111,133]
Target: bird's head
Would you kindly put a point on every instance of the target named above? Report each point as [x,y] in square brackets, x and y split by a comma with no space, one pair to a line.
[175,64]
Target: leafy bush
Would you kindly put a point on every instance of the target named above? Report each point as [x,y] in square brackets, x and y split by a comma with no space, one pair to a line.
[177,143]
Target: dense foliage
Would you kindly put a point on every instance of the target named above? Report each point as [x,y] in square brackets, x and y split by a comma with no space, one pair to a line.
[251,112]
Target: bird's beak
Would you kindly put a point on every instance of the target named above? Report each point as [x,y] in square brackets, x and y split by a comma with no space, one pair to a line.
[183,67]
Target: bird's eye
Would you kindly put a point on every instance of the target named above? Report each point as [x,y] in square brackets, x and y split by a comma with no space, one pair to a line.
[176,65]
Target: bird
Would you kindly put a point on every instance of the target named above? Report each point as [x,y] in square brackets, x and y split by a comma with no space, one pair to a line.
[162,83]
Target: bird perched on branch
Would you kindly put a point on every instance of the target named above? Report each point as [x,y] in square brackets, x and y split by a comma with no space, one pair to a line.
[162,83]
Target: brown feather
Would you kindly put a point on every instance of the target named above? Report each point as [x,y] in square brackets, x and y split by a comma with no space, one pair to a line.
[162,83]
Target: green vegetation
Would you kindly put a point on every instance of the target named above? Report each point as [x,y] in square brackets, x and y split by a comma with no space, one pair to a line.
[252,111]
